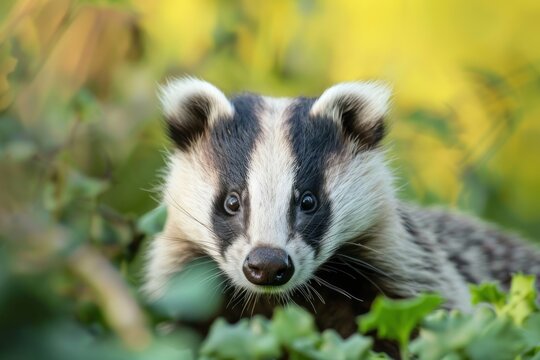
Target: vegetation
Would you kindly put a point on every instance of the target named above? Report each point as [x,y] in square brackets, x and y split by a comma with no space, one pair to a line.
[81,143]
[511,331]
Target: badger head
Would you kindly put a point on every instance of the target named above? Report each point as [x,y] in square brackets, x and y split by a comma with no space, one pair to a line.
[269,188]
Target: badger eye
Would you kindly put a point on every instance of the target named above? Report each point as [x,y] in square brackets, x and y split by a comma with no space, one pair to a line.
[232,204]
[308,202]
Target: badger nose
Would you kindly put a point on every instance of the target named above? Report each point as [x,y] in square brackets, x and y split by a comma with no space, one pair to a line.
[268,266]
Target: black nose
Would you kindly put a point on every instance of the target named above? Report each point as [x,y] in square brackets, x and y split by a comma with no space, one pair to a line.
[268,266]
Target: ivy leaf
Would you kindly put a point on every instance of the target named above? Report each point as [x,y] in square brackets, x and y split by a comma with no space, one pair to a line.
[396,319]
[243,340]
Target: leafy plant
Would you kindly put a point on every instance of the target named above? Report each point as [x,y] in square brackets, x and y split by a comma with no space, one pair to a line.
[502,326]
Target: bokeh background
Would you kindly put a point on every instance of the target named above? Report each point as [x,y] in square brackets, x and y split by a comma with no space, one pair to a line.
[81,138]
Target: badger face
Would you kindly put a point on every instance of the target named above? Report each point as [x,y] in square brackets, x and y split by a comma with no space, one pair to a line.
[269,188]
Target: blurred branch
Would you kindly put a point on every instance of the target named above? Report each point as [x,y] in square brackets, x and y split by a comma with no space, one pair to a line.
[118,305]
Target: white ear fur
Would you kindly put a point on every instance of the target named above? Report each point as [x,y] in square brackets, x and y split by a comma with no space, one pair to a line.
[190,106]
[176,94]
[371,100]
[359,109]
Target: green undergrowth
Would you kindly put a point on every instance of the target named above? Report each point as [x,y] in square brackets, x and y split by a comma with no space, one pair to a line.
[501,326]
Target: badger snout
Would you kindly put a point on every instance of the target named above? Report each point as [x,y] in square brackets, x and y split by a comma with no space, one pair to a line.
[268,266]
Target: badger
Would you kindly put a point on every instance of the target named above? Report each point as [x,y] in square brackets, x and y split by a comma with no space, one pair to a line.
[294,200]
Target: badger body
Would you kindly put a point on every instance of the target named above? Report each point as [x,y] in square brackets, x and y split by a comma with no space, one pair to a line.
[293,199]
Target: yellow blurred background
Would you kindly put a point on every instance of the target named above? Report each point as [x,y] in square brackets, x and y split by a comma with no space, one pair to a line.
[82,76]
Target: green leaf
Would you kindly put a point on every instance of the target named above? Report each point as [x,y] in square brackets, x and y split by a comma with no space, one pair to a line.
[518,305]
[330,346]
[488,293]
[480,336]
[72,187]
[521,301]
[396,319]
[500,339]
[446,334]
[18,150]
[292,322]
[304,348]
[153,221]
[243,340]
[531,328]
[83,186]
[333,347]
[194,294]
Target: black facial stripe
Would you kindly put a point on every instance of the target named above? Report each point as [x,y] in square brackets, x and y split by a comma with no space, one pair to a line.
[231,143]
[313,139]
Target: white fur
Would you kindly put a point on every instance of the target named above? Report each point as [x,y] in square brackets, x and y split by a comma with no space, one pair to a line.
[176,94]
[188,191]
[374,96]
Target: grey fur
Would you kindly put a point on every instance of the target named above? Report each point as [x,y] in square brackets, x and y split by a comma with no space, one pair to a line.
[478,250]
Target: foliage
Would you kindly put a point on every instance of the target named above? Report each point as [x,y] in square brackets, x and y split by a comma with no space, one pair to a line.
[397,319]
[486,333]
[482,334]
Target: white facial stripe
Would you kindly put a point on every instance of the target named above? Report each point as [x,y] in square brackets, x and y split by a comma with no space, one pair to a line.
[189,193]
[271,179]
[270,185]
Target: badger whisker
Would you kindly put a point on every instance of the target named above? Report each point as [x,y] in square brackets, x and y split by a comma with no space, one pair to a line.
[328,268]
[363,264]
[308,296]
[363,246]
[238,294]
[335,288]
[359,272]
[254,303]
[180,208]
[319,296]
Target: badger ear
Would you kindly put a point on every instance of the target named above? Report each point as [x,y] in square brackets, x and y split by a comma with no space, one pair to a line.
[358,107]
[191,106]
